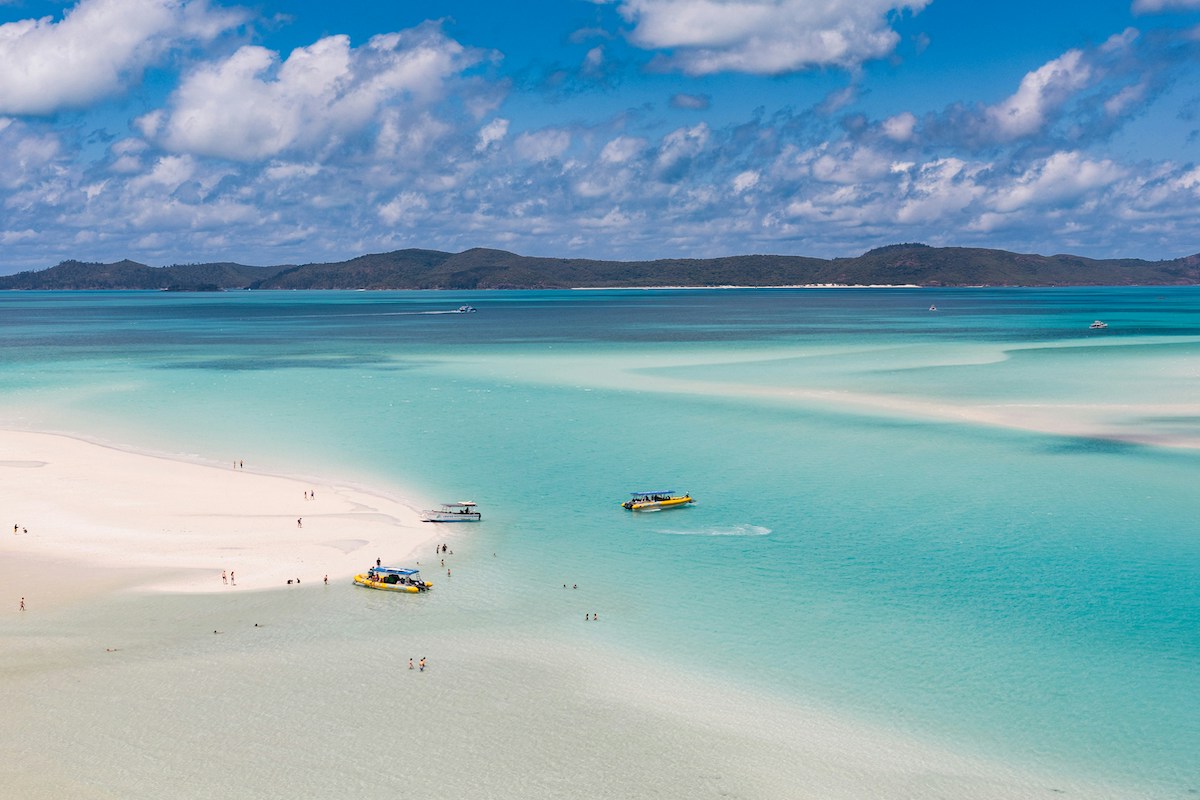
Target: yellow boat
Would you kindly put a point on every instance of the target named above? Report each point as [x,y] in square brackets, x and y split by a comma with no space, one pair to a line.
[656,501]
[393,580]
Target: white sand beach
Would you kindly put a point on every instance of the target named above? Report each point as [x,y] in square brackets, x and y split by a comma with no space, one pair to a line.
[121,520]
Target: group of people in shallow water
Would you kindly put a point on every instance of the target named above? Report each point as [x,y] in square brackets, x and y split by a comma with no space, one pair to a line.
[410,663]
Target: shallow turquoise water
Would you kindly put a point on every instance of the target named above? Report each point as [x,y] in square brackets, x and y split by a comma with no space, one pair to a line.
[861,540]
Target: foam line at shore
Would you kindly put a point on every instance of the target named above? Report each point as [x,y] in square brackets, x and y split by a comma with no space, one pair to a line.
[159,523]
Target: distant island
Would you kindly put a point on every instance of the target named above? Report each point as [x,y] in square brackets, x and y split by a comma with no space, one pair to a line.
[479,268]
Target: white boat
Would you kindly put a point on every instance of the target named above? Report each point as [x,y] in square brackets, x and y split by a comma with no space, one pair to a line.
[466,309]
[1097,325]
[462,511]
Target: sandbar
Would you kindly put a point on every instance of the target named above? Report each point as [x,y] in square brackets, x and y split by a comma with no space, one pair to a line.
[80,517]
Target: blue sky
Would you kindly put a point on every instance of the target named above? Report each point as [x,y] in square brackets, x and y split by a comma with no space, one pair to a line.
[172,131]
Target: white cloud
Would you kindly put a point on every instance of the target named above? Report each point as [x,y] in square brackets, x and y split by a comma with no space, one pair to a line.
[594,60]
[682,144]
[900,127]
[542,145]
[98,49]
[941,189]
[621,149]
[491,133]
[168,173]
[1155,6]
[764,36]
[1055,180]
[403,208]
[692,102]
[1125,99]
[1041,92]
[27,159]
[848,165]
[286,171]
[252,106]
[744,181]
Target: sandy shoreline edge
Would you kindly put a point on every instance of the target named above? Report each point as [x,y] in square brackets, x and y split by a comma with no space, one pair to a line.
[118,519]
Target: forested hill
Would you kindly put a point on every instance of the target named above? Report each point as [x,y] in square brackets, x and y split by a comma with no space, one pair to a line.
[132,275]
[900,264]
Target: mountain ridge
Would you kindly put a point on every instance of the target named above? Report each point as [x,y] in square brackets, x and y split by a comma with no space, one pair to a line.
[483,268]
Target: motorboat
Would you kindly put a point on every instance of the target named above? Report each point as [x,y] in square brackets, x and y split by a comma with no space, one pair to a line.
[466,309]
[393,579]
[462,511]
[1097,325]
[656,501]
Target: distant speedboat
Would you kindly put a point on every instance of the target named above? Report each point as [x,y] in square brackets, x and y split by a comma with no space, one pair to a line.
[462,511]
[933,308]
[656,501]
[1097,325]
[393,580]
[466,309]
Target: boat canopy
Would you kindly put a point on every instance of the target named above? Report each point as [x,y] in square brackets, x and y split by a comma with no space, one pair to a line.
[647,494]
[394,571]
[459,504]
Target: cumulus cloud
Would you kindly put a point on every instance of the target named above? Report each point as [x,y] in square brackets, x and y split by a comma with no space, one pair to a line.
[491,133]
[1079,97]
[941,189]
[900,127]
[403,208]
[27,157]
[678,148]
[1060,178]
[745,181]
[766,37]
[621,149]
[542,145]
[692,102]
[252,105]
[1041,92]
[1156,6]
[96,50]
[849,165]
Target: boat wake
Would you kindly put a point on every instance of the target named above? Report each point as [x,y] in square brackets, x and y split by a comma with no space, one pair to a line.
[718,530]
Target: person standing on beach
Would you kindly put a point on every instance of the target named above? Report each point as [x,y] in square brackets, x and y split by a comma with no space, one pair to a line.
[22,603]
[231,578]
[410,664]
[299,522]
[224,577]
[422,663]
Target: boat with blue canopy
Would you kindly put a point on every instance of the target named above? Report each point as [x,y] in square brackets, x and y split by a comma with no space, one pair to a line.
[656,501]
[393,579]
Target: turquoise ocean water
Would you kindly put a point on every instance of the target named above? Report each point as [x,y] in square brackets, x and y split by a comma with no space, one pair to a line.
[977,526]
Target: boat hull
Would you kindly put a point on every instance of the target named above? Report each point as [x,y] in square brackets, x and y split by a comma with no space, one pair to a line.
[438,516]
[659,505]
[363,580]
